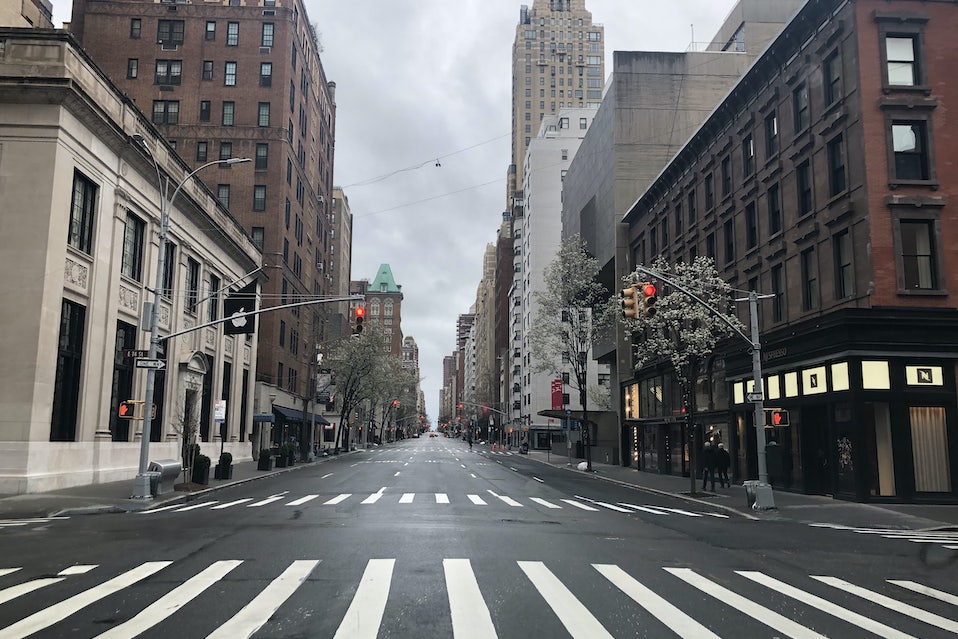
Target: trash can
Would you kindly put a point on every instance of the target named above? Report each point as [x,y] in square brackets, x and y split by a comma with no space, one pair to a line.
[154,481]
[168,470]
[758,495]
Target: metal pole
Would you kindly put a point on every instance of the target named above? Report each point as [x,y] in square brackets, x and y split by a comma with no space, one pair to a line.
[757,389]
[141,483]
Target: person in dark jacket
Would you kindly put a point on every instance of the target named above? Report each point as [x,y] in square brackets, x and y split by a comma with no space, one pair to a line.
[708,466]
[723,461]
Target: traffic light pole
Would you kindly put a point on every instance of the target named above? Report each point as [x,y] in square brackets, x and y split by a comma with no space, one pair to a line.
[757,396]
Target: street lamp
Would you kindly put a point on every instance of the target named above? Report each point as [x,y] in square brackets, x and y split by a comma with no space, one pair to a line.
[141,483]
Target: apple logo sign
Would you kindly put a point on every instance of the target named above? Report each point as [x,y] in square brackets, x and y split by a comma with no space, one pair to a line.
[238,319]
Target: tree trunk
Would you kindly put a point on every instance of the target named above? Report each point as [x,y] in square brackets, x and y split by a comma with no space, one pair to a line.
[693,449]
[586,430]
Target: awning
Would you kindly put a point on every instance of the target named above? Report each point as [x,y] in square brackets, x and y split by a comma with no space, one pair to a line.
[295,415]
[263,418]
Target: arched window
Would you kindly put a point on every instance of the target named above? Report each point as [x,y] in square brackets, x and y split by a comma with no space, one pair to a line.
[388,308]
[374,308]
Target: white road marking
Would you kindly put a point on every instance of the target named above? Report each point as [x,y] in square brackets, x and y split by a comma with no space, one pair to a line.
[326,475]
[257,612]
[60,611]
[373,498]
[676,620]
[619,509]
[269,500]
[7,571]
[679,511]
[925,590]
[397,474]
[508,500]
[79,569]
[573,502]
[365,613]
[543,502]
[574,616]
[470,615]
[473,475]
[11,593]
[302,500]
[407,498]
[477,500]
[231,503]
[337,499]
[170,602]
[442,498]
[648,509]
[537,479]
[195,506]
[158,510]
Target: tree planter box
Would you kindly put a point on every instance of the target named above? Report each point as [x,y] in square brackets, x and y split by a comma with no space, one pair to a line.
[265,463]
[281,462]
[223,472]
[201,475]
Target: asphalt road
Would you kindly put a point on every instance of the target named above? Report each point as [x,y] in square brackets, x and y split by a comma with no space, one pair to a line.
[429,539]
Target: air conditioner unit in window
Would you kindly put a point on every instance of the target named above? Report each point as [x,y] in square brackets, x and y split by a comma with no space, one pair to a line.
[265,49]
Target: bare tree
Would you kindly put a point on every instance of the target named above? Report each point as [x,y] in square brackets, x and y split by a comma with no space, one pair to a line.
[574,310]
[353,362]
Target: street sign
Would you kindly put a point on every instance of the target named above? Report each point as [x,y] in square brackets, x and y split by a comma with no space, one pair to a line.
[158,364]
[755,397]
[132,353]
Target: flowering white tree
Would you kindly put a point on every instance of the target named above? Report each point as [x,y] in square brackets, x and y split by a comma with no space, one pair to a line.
[684,330]
[574,310]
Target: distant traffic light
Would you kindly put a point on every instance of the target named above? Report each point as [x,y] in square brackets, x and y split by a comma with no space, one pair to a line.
[360,315]
[776,417]
[630,301]
[647,289]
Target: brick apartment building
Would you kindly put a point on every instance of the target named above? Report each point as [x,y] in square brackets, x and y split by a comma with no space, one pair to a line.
[827,177]
[241,79]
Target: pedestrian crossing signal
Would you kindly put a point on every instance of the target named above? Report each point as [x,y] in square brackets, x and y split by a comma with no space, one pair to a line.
[630,302]
[776,417]
[129,410]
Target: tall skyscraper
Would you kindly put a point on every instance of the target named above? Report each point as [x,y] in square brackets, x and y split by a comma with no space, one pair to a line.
[558,61]
[220,80]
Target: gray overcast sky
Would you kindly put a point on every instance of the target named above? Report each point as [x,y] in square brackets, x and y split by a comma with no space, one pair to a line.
[424,80]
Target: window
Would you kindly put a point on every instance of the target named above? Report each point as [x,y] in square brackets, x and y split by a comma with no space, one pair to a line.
[232,34]
[583,123]
[729,230]
[223,195]
[259,197]
[751,226]
[262,155]
[213,301]
[169,32]
[192,284]
[748,156]
[693,213]
[136,28]
[262,118]
[82,210]
[902,59]
[771,135]
[918,256]
[259,236]
[207,69]
[266,74]
[774,209]
[910,146]
[210,30]
[204,111]
[832,70]
[229,74]
[66,391]
[800,107]
[267,38]
[709,192]
[228,110]
[279,374]
[778,290]
[844,275]
[809,279]
[710,246]
[226,150]
[169,71]
[202,151]
[726,176]
[166,111]
[132,67]
[803,180]
[836,166]
[169,269]
[282,333]
[678,219]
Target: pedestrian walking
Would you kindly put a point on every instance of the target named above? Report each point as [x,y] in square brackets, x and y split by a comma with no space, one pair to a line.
[723,461]
[708,466]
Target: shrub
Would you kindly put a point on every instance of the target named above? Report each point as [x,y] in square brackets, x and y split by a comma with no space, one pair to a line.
[201,461]
[265,452]
[226,459]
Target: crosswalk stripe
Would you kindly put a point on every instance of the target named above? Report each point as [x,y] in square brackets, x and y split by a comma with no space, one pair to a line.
[759,613]
[257,612]
[12,524]
[407,498]
[60,611]
[268,500]
[202,504]
[442,498]
[574,616]
[648,509]
[677,621]
[824,605]
[232,503]
[337,499]
[470,615]
[618,509]
[168,604]
[573,502]
[543,502]
[365,612]
[79,569]
[373,498]
[302,500]
[507,500]
[7,571]
[11,593]
[158,510]
[887,602]
[925,590]
[477,500]
[679,511]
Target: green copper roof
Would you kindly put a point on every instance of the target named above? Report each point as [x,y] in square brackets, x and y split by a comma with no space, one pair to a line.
[384,282]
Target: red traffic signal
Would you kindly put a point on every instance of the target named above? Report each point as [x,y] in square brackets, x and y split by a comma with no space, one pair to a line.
[359,316]
[648,298]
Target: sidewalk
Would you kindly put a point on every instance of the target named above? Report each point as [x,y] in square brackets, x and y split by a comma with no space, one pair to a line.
[788,506]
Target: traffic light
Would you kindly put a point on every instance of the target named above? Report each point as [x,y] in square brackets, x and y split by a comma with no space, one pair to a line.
[647,289]
[358,318]
[776,417]
[128,410]
[630,301]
